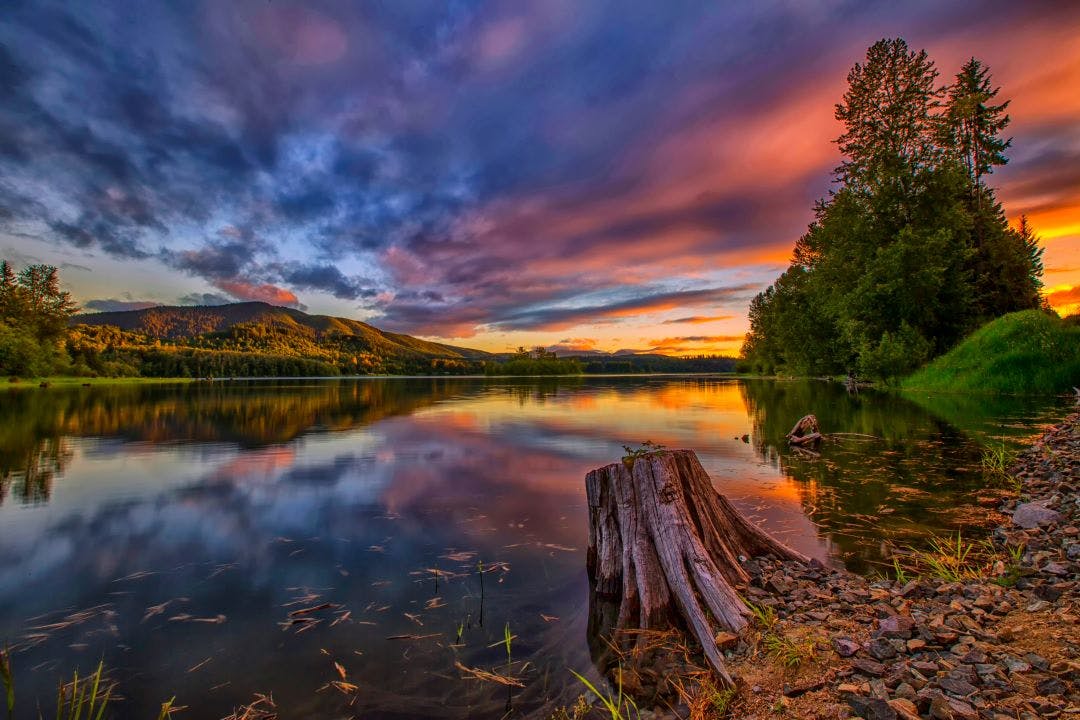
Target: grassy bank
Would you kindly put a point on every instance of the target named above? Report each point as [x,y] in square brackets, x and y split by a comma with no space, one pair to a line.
[1029,352]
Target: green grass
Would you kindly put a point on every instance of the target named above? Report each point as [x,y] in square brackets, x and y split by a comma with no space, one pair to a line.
[1028,352]
[76,701]
[997,458]
[618,706]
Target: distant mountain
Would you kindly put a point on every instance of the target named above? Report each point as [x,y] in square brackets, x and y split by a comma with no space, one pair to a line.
[258,339]
[260,327]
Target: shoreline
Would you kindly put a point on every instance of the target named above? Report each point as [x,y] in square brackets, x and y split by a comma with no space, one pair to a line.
[983,630]
[994,635]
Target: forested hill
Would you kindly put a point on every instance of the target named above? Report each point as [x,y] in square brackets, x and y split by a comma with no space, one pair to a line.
[239,319]
[251,339]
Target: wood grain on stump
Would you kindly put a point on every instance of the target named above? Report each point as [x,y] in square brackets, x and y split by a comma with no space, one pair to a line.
[666,545]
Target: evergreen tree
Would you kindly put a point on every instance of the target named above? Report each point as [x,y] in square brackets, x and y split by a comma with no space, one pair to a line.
[912,251]
[889,116]
[971,123]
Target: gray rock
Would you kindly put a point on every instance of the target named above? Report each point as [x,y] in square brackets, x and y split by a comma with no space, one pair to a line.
[869,667]
[845,647]
[1073,551]
[896,626]
[1056,569]
[1051,686]
[1033,514]
[1037,661]
[882,649]
[957,687]
[1015,665]
[871,708]
[947,708]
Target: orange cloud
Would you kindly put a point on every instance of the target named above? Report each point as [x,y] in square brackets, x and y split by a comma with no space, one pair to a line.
[697,319]
[698,344]
[1065,301]
[262,293]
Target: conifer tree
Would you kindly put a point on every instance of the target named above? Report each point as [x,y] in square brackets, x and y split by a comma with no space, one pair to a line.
[972,124]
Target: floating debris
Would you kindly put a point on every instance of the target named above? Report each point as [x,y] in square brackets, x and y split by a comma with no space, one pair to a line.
[155,610]
[199,665]
[485,676]
[262,708]
[184,617]
[313,609]
[413,637]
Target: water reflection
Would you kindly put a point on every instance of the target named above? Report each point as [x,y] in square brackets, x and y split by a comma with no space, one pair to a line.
[171,530]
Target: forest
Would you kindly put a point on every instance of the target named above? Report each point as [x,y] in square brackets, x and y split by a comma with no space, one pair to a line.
[911,251]
[41,335]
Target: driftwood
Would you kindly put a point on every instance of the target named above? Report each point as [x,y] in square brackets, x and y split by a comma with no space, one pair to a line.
[669,547]
[805,432]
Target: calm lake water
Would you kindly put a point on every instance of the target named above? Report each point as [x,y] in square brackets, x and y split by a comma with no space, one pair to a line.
[171,529]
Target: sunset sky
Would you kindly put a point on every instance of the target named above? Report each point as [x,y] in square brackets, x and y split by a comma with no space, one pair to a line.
[572,173]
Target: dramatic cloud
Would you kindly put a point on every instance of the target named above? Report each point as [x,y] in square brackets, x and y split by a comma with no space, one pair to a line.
[487,169]
[205,299]
[262,293]
[1067,300]
[559,318]
[574,345]
[697,344]
[697,319]
[113,305]
[326,278]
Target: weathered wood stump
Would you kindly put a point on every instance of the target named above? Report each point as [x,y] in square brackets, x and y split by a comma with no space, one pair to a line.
[806,431]
[667,545]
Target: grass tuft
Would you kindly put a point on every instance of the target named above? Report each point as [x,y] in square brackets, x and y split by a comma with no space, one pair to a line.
[618,705]
[75,700]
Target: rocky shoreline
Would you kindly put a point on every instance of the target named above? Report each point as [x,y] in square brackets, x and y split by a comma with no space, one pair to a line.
[995,637]
[1004,644]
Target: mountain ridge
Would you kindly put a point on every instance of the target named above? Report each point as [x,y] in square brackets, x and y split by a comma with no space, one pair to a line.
[189,322]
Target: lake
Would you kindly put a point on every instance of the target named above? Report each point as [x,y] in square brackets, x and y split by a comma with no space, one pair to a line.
[209,541]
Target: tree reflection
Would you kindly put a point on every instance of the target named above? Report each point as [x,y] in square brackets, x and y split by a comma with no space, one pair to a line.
[28,473]
[891,472]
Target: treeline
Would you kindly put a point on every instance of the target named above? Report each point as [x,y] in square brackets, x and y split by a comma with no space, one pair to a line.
[537,361]
[912,251]
[628,364]
[105,350]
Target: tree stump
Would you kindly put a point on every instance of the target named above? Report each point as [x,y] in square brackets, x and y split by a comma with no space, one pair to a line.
[805,432]
[667,545]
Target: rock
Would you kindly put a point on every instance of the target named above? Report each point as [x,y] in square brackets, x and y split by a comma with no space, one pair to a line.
[871,708]
[868,667]
[779,585]
[1037,661]
[896,626]
[845,647]
[905,708]
[1051,686]
[958,687]
[1035,514]
[726,640]
[882,649]
[1073,551]
[947,708]
[1056,569]
[974,657]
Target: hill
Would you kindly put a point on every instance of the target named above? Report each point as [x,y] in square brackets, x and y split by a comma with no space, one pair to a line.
[185,322]
[1026,352]
[253,338]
